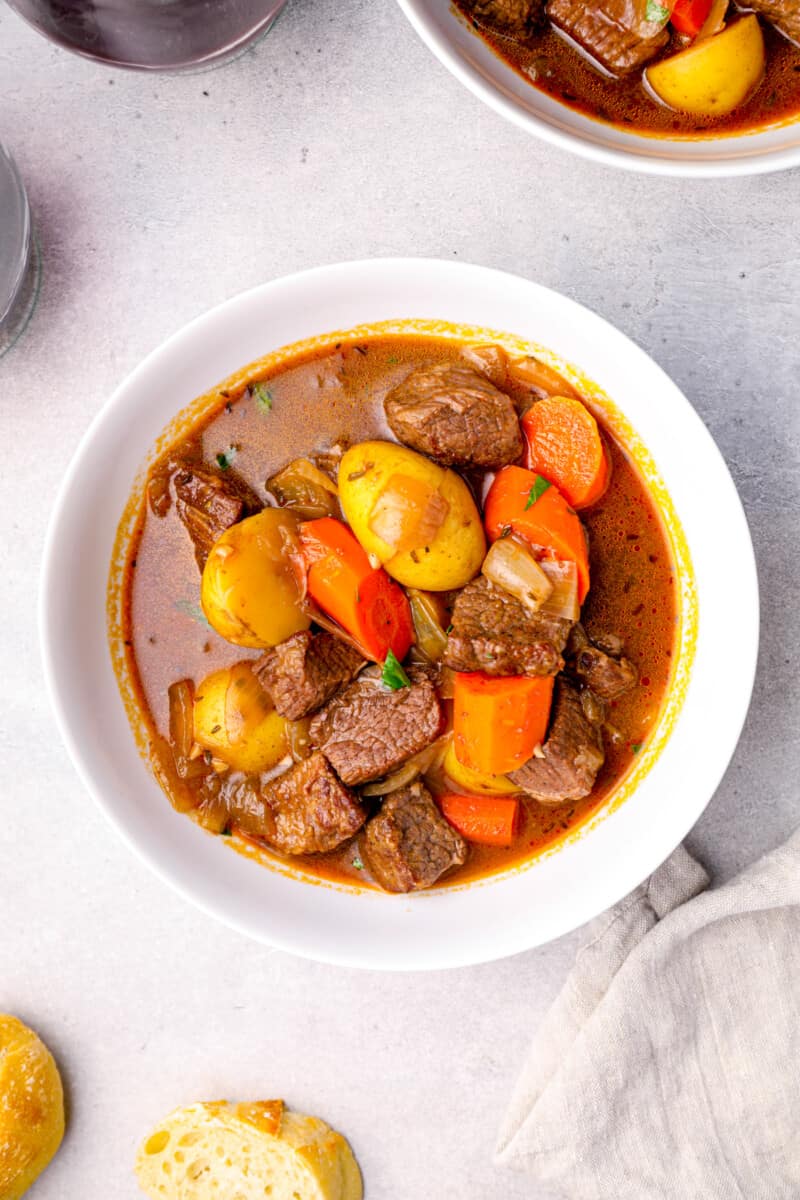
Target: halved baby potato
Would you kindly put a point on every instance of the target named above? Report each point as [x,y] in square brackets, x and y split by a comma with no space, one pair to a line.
[428,513]
[250,590]
[235,720]
[714,75]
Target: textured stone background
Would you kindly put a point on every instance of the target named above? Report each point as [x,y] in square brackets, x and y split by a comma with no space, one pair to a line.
[337,137]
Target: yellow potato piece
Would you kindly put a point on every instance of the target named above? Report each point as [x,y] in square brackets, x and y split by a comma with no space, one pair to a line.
[453,556]
[476,781]
[250,592]
[235,720]
[714,75]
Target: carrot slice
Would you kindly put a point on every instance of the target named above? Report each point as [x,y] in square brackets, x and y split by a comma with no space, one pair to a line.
[523,502]
[498,720]
[689,16]
[489,821]
[362,598]
[565,446]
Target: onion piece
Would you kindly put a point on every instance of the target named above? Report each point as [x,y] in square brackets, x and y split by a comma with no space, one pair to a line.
[297,736]
[410,770]
[511,567]
[181,717]
[715,21]
[563,599]
[491,361]
[305,489]
[428,625]
[534,373]
[408,513]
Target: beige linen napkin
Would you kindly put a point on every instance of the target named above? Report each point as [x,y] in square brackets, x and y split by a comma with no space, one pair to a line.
[669,1066]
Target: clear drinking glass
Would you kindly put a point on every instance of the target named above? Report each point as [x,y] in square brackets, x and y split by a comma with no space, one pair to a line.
[155,35]
[19,260]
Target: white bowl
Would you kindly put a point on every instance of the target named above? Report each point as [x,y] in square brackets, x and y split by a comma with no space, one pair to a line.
[477,66]
[682,763]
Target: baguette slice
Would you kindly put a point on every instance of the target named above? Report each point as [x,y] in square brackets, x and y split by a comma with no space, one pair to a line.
[256,1151]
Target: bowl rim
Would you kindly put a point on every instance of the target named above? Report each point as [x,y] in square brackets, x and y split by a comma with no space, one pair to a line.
[763,162]
[628,871]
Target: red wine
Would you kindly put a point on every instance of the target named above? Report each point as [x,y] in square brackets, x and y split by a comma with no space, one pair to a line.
[151,34]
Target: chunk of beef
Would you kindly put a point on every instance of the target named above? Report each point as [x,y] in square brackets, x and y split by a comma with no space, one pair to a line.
[408,845]
[493,632]
[615,32]
[455,415]
[305,811]
[607,677]
[514,18]
[209,502]
[599,664]
[302,673]
[366,730]
[783,14]
[571,756]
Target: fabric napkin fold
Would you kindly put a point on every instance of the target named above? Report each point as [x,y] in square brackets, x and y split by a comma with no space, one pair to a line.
[669,1066]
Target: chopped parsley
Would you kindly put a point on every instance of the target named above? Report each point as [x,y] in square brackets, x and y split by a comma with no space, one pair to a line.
[358,864]
[656,12]
[393,676]
[225,832]
[539,488]
[636,747]
[226,457]
[263,397]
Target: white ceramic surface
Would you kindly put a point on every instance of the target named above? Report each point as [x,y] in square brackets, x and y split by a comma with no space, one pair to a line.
[443,928]
[476,65]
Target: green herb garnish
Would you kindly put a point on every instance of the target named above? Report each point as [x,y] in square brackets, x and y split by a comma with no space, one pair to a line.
[192,610]
[393,676]
[358,864]
[225,833]
[539,488]
[226,457]
[656,12]
[263,397]
[636,747]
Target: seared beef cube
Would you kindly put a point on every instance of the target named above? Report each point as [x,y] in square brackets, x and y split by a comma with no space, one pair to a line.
[302,673]
[783,14]
[209,502]
[599,663]
[367,730]
[456,416]
[408,845]
[493,632]
[607,677]
[615,32]
[571,756]
[305,811]
[515,18]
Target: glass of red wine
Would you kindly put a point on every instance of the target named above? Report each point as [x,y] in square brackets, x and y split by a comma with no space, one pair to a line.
[155,35]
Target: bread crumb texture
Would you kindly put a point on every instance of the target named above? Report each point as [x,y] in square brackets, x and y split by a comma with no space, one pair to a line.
[31,1107]
[250,1151]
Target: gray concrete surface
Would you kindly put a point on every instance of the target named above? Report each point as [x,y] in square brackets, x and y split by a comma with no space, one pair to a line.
[155,198]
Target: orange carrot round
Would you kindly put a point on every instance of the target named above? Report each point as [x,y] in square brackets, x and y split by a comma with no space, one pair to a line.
[498,720]
[525,503]
[565,446]
[362,598]
[486,820]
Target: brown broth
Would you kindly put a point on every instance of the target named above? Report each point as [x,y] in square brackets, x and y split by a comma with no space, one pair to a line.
[550,64]
[318,400]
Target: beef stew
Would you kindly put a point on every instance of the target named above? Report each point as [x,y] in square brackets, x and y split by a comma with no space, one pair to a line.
[390,671]
[671,68]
